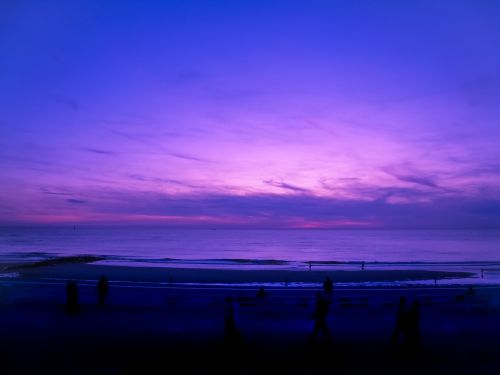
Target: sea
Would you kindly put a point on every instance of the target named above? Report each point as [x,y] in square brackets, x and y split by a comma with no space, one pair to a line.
[476,251]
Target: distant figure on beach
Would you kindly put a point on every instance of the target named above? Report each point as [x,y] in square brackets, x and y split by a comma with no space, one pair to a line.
[468,293]
[320,314]
[102,290]
[328,285]
[413,329]
[482,273]
[261,293]
[72,296]
[362,265]
[310,265]
[261,296]
[400,331]
[232,334]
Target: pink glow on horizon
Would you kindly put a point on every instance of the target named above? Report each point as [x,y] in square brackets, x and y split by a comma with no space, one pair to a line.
[330,224]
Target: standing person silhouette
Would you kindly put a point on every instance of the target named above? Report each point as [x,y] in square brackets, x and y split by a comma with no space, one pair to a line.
[233,345]
[320,314]
[231,331]
[261,297]
[328,285]
[400,329]
[72,296]
[102,290]
[413,330]
[328,289]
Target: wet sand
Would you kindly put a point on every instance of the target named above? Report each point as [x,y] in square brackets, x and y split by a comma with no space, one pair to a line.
[200,275]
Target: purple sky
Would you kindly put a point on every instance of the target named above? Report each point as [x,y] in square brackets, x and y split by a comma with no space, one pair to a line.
[251,113]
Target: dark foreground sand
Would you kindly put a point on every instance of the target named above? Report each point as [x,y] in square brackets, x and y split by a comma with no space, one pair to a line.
[152,326]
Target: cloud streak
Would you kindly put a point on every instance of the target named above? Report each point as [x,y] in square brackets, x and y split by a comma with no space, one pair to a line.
[415,179]
[98,151]
[285,186]
[274,210]
[76,201]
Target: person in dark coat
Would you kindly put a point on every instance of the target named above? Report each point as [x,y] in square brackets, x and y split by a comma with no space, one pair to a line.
[320,317]
[399,334]
[102,290]
[72,296]
[232,335]
[413,330]
[328,285]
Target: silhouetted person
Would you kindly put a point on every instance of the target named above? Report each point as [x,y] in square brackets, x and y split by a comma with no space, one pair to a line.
[102,290]
[72,296]
[261,296]
[261,293]
[310,265]
[400,332]
[362,266]
[328,285]
[467,294]
[232,335]
[482,273]
[320,314]
[460,298]
[413,330]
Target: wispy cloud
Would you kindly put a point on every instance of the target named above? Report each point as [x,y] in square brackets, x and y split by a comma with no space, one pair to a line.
[162,180]
[406,174]
[98,151]
[286,186]
[416,179]
[188,157]
[76,201]
[52,192]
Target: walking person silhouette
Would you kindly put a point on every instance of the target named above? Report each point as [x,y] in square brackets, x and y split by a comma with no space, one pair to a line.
[413,330]
[400,330]
[261,297]
[102,290]
[328,285]
[72,297]
[232,335]
[320,314]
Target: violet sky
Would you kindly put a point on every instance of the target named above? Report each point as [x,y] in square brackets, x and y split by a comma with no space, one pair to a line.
[251,113]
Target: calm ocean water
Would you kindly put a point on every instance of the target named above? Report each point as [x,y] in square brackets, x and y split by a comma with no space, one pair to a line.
[159,245]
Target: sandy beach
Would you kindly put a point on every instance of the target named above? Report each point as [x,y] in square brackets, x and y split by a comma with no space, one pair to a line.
[162,318]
